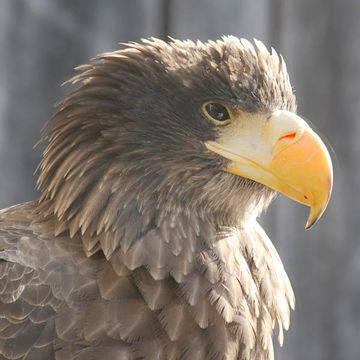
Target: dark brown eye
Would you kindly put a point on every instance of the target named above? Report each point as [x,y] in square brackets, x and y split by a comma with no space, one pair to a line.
[216,112]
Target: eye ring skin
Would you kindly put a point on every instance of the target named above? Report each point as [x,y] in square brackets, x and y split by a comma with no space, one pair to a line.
[215,121]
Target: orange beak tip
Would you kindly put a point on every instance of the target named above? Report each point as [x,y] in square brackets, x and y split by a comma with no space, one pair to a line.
[309,225]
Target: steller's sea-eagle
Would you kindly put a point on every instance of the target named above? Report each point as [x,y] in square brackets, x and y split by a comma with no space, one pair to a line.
[144,243]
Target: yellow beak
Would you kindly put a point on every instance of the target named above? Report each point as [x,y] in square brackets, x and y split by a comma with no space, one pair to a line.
[282,152]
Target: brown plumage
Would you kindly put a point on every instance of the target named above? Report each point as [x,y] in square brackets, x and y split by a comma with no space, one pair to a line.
[140,246]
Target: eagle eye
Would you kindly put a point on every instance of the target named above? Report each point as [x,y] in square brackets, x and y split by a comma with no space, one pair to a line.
[216,112]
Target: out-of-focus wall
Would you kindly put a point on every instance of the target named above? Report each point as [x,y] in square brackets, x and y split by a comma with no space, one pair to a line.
[41,41]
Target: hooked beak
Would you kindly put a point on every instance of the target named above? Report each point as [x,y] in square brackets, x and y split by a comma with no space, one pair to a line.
[282,152]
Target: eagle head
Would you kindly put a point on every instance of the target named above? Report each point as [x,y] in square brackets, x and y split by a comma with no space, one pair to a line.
[199,128]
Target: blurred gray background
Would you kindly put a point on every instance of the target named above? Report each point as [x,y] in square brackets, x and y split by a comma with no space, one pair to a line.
[41,41]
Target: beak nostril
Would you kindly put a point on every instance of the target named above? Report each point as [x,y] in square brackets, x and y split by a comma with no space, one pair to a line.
[290,136]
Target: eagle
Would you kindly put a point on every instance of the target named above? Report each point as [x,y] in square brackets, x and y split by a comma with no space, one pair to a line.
[144,242]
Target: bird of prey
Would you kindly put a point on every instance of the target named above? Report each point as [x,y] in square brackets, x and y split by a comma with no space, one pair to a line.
[144,243]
